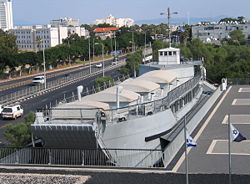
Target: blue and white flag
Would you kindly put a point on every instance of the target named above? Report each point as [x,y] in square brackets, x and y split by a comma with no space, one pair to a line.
[236,136]
[190,141]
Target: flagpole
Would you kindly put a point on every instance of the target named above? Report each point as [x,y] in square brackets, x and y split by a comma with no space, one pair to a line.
[229,150]
[186,157]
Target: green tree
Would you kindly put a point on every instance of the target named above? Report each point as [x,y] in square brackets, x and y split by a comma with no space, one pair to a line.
[20,134]
[157,45]
[133,62]
[100,82]
[237,37]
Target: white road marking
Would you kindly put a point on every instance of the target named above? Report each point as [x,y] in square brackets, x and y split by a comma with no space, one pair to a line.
[243,119]
[244,90]
[241,101]
[243,144]
[225,120]
[234,101]
[182,158]
[211,147]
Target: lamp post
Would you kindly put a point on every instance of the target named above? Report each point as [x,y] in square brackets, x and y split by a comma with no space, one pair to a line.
[168,13]
[133,50]
[103,74]
[44,67]
[89,58]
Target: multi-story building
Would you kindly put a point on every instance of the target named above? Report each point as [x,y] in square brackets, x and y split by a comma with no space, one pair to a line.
[217,32]
[73,26]
[66,22]
[33,38]
[118,22]
[6,15]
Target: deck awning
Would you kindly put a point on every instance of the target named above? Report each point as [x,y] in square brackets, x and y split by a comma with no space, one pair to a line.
[140,85]
[159,76]
[86,104]
[109,96]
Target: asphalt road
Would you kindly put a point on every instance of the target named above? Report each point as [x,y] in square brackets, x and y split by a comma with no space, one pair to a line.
[199,159]
[52,97]
[50,77]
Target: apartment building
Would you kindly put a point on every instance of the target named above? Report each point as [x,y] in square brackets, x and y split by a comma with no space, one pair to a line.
[217,32]
[117,22]
[33,38]
[6,15]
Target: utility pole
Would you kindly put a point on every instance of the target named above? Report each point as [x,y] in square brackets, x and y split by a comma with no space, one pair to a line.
[169,27]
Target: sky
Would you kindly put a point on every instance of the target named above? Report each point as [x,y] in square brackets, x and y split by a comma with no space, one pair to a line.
[42,11]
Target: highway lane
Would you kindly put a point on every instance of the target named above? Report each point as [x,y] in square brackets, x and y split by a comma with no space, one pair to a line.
[19,84]
[40,102]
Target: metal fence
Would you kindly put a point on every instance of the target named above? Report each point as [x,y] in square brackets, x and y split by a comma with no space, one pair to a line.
[52,85]
[140,158]
[238,81]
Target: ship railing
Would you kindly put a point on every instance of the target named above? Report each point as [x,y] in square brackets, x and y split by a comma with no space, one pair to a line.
[151,107]
[123,113]
[80,157]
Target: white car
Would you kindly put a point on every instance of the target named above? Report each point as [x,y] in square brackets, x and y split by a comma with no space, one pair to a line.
[98,65]
[12,112]
[38,80]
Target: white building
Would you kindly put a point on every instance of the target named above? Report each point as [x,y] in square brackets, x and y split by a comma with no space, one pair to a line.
[217,32]
[27,37]
[65,22]
[169,56]
[118,22]
[6,15]
[32,38]
[73,26]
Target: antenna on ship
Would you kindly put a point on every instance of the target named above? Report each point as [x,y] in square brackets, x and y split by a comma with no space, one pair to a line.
[168,13]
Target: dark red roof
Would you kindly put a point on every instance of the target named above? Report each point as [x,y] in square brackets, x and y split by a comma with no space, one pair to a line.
[105,29]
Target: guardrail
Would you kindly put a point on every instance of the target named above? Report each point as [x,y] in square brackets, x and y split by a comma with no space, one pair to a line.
[52,85]
[81,157]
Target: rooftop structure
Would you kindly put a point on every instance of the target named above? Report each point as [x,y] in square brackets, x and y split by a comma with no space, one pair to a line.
[104,32]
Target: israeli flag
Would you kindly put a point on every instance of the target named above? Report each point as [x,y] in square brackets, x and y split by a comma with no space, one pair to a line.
[190,141]
[236,136]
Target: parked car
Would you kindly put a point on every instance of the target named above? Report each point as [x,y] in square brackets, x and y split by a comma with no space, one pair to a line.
[38,80]
[12,112]
[98,65]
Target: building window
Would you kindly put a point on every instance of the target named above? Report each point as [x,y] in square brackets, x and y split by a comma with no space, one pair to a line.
[165,53]
[174,53]
[161,53]
[170,53]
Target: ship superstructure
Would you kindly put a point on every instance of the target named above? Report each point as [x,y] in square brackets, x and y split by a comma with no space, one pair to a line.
[134,114]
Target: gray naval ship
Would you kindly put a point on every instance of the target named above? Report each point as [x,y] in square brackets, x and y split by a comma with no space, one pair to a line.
[137,113]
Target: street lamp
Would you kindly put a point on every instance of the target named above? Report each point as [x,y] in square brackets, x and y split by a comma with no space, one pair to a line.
[133,50]
[168,16]
[89,58]
[102,57]
[44,67]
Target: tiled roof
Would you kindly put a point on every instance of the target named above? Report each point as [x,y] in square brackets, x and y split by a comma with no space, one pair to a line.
[105,29]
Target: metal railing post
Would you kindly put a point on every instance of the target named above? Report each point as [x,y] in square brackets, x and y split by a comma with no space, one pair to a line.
[50,157]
